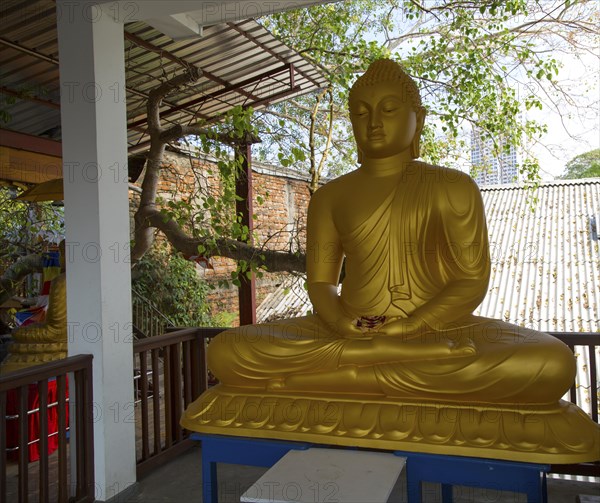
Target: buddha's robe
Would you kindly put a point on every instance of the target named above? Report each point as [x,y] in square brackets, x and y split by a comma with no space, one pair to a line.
[426,250]
[41,342]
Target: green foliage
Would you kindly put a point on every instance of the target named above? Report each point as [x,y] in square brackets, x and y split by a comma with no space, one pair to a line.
[482,63]
[224,319]
[479,64]
[172,284]
[23,92]
[585,165]
[312,133]
[26,227]
[210,215]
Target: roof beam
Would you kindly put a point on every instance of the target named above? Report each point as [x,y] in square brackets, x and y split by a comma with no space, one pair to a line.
[28,51]
[267,49]
[29,142]
[225,90]
[178,26]
[54,61]
[185,64]
[203,12]
[151,47]
[142,146]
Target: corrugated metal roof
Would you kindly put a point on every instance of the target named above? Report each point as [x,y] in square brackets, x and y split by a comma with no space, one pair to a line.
[289,300]
[242,64]
[545,263]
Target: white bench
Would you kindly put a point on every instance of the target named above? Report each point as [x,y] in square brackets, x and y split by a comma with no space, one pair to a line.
[328,475]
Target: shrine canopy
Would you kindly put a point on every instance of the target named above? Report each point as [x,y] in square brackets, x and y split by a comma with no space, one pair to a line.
[241,64]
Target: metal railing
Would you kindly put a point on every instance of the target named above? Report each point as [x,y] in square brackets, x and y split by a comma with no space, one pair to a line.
[147,318]
[35,412]
[76,484]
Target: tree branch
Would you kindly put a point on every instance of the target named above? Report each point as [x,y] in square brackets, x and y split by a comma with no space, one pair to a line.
[179,131]
[13,276]
[157,94]
[274,261]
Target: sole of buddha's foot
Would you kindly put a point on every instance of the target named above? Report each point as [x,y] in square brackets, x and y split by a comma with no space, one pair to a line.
[276,384]
[464,348]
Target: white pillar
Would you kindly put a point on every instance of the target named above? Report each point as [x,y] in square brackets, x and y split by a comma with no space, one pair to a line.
[94,141]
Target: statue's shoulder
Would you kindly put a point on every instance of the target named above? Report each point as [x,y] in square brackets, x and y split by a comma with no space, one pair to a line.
[59,280]
[335,188]
[450,189]
[447,179]
[443,175]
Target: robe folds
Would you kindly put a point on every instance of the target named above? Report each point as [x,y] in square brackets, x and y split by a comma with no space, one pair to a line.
[424,249]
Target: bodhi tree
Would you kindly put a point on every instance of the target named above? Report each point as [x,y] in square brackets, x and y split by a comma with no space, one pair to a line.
[480,64]
[201,223]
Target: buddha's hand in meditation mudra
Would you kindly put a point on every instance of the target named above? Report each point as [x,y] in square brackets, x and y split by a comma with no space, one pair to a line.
[410,334]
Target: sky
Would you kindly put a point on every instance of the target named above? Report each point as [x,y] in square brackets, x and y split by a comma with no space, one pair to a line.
[574,133]
[572,130]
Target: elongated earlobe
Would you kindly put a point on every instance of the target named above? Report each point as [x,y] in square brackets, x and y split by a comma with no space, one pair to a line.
[415,146]
[359,155]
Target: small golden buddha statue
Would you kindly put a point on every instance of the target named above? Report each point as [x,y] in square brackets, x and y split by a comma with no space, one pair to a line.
[401,335]
[46,341]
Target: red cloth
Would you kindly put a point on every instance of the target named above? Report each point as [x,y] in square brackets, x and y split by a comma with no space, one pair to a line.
[33,402]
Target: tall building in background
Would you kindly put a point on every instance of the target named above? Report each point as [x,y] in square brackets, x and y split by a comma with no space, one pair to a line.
[490,169]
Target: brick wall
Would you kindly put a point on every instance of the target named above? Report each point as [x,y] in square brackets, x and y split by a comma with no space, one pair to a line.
[280,205]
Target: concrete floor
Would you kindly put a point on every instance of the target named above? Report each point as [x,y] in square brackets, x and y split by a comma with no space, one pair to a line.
[180,481]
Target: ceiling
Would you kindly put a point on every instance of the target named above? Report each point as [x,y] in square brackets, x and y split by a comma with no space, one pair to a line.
[241,63]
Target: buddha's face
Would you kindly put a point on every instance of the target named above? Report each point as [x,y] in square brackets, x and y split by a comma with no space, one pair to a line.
[383,120]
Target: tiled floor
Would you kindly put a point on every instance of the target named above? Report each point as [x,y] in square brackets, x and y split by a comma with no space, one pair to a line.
[180,481]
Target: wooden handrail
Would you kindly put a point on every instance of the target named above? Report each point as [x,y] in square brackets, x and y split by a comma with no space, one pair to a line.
[82,446]
[163,340]
[174,336]
[170,373]
[45,371]
[192,380]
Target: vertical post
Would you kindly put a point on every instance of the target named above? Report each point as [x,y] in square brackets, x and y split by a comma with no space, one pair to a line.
[94,144]
[43,444]
[3,444]
[247,290]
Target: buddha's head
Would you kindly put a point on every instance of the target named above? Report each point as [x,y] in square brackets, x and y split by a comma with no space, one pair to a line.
[386,111]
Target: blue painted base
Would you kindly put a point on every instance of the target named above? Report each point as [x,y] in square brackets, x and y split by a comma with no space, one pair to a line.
[528,478]
[239,451]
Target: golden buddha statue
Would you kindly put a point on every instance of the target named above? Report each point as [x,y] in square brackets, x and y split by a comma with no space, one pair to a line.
[46,341]
[401,337]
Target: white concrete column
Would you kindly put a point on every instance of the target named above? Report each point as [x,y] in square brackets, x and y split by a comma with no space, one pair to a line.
[92,79]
